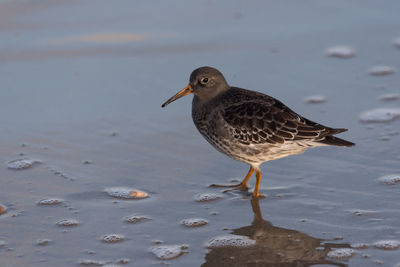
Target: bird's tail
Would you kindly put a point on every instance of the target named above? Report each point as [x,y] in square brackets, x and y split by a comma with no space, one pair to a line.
[335,141]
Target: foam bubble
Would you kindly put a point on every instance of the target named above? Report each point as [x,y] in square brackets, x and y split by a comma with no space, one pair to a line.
[390,179]
[113,238]
[360,245]
[363,212]
[380,115]
[88,262]
[43,242]
[123,261]
[2,209]
[50,201]
[68,222]
[61,174]
[396,42]
[381,70]
[389,97]
[315,99]
[169,252]
[340,51]
[230,241]
[136,218]
[387,244]
[194,222]
[341,253]
[21,164]
[2,243]
[203,197]
[125,192]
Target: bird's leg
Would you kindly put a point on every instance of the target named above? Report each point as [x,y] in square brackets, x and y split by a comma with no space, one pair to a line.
[256,194]
[240,186]
[243,185]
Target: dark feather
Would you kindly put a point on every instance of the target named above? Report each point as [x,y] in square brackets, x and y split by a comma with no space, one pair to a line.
[336,141]
[258,118]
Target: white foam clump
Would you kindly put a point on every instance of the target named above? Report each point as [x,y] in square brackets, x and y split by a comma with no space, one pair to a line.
[123,261]
[113,238]
[340,51]
[50,201]
[381,70]
[169,252]
[125,192]
[68,222]
[194,222]
[43,242]
[21,164]
[389,97]
[230,241]
[380,115]
[136,218]
[363,212]
[390,179]
[360,245]
[2,209]
[87,262]
[203,197]
[396,42]
[387,244]
[341,253]
[3,243]
[315,99]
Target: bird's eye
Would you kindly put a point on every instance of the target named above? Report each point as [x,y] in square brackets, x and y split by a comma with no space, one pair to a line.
[204,80]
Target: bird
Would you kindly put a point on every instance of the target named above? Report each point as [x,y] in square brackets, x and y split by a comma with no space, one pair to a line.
[250,126]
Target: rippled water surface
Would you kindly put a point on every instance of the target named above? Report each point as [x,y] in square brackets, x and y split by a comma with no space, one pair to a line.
[94,172]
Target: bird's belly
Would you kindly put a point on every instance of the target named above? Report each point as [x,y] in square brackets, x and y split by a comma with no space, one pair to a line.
[277,151]
[255,154]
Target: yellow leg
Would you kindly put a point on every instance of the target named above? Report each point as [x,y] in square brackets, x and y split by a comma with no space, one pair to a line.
[256,194]
[242,185]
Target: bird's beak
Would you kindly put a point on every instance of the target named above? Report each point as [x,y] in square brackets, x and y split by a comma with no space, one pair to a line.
[185,91]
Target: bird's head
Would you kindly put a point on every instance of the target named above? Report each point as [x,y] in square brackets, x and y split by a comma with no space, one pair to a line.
[205,83]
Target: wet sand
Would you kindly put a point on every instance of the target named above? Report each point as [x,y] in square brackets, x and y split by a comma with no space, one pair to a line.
[85,112]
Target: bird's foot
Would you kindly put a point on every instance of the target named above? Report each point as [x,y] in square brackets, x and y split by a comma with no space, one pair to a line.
[241,187]
[226,185]
[258,195]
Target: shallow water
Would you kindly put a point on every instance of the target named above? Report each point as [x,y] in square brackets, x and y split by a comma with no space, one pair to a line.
[81,84]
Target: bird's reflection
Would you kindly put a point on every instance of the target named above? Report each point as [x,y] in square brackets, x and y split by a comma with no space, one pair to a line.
[275,246]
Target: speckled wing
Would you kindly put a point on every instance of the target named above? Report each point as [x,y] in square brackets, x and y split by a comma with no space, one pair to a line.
[263,119]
